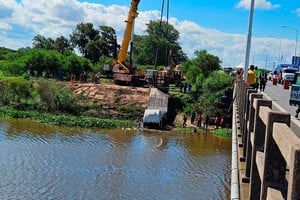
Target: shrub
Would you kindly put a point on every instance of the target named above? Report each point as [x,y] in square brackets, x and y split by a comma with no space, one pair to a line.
[14,89]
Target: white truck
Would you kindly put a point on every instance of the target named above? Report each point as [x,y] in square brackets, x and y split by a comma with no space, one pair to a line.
[152,117]
[288,74]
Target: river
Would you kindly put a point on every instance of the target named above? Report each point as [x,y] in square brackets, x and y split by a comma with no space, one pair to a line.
[46,162]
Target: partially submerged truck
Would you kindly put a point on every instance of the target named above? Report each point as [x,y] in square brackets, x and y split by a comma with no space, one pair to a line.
[153,118]
[157,109]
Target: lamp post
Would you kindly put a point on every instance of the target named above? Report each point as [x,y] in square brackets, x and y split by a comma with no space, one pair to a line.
[249,37]
[279,57]
[296,37]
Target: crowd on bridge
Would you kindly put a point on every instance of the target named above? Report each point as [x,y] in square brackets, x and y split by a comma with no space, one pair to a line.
[256,78]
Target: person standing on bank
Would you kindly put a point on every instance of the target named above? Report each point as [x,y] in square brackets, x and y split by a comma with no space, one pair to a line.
[206,122]
[199,120]
[184,120]
[193,117]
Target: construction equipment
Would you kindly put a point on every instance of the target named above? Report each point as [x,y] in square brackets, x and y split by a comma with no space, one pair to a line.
[124,72]
[162,79]
[173,73]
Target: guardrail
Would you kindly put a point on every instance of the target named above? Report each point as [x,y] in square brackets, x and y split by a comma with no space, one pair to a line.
[270,149]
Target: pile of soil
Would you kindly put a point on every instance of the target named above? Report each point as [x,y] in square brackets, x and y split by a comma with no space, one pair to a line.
[110,96]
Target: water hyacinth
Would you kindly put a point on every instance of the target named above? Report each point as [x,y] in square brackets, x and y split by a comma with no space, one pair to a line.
[67,120]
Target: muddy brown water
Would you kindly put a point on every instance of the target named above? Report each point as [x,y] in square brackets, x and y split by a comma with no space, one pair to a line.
[44,162]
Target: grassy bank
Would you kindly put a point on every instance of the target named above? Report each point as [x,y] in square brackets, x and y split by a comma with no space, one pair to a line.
[222,132]
[67,120]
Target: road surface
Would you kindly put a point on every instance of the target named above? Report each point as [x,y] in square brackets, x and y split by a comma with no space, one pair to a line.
[280,98]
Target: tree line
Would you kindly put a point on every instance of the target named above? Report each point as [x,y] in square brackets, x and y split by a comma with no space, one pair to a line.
[97,46]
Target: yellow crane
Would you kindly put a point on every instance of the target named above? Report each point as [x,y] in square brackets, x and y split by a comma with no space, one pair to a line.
[124,72]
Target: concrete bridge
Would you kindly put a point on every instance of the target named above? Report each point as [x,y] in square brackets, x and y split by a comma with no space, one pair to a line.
[265,148]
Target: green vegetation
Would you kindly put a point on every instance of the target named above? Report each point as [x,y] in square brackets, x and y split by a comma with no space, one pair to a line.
[67,120]
[154,48]
[130,112]
[185,129]
[222,132]
[43,63]
[212,89]
[24,93]
[209,85]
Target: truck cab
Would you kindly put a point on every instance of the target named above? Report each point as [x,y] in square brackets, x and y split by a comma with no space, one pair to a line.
[288,74]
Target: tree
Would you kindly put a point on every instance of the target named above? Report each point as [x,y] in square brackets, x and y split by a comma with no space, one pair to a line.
[204,63]
[108,42]
[207,62]
[82,35]
[94,43]
[41,42]
[40,62]
[73,64]
[62,44]
[212,89]
[154,48]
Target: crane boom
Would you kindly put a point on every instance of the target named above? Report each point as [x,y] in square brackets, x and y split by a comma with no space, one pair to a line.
[125,73]
[132,14]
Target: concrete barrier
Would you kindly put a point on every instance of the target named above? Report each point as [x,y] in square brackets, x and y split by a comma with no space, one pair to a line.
[271,150]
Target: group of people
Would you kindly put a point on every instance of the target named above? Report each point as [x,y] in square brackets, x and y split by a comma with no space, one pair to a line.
[219,121]
[257,79]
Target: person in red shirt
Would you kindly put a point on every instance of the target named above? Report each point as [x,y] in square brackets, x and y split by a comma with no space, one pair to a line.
[217,121]
[222,122]
[199,120]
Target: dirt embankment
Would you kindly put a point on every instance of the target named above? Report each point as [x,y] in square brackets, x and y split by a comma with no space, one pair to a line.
[110,96]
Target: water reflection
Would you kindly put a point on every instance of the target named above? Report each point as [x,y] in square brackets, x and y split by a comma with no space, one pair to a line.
[47,162]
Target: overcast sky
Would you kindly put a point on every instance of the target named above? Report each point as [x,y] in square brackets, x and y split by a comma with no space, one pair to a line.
[219,26]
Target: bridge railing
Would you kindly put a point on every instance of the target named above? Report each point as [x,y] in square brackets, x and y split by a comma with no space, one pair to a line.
[270,149]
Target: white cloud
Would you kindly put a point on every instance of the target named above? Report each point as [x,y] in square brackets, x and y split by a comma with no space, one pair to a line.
[5,26]
[262,4]
[20,22]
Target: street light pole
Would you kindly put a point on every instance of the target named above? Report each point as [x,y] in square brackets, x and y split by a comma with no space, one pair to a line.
[279,57]
[296,37]
[248,47]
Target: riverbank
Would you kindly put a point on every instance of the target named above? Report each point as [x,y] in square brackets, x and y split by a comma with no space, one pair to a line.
[67,120]
[193,128]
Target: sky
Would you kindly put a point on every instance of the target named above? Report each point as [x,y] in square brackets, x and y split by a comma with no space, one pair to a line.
[218,26]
